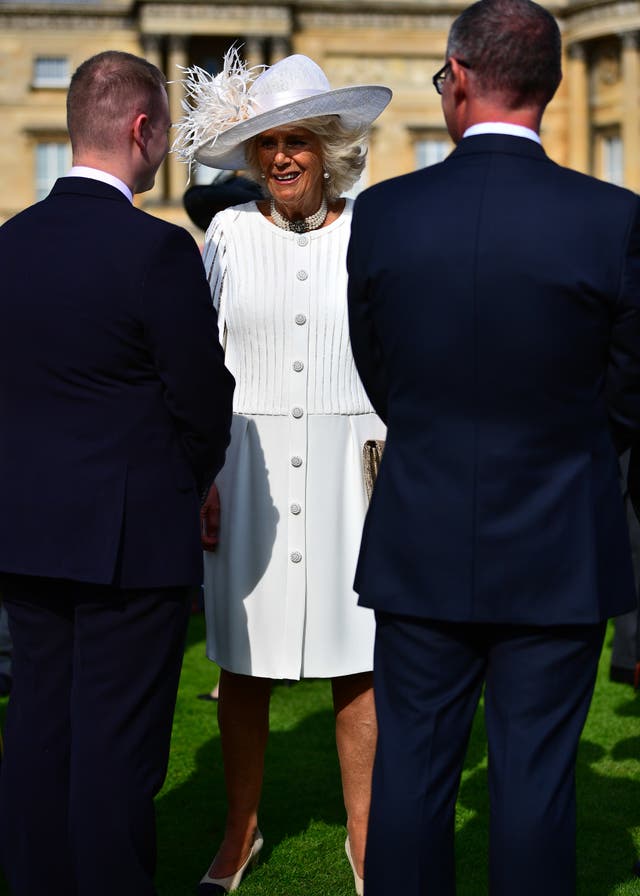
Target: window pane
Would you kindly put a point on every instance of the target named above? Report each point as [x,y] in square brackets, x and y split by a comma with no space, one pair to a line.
[612,159]
[430,152]
[52,161]
[51,71]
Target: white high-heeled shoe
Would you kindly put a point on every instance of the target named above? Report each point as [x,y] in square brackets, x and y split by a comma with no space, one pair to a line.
[209,886]
[358,881]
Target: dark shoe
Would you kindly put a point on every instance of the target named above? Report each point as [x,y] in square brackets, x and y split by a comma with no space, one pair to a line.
[636,869]
[208,697]
[5,685]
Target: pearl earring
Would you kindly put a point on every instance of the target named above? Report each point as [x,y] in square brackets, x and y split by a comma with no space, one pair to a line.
[326,175]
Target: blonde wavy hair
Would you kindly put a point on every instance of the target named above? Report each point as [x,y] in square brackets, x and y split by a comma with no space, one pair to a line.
[344,153]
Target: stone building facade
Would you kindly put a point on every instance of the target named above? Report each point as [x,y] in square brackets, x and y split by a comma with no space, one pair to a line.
[593,123]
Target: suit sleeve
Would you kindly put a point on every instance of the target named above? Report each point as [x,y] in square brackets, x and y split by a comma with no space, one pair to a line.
[623,374]
[365,344]
[182,329]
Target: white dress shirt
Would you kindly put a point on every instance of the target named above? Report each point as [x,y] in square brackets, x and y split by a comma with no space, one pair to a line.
[104,176]
[502,127]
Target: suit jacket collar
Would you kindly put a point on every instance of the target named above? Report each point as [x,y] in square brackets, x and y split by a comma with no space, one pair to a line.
[500,143]
[87,186]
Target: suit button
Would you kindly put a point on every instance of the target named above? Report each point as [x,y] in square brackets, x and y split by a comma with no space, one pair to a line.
[298,366]
[296,461]
[297,412]
[295,509]
[301,319]
[296,556]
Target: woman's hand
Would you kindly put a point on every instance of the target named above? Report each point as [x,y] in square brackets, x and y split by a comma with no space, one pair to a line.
[210,520]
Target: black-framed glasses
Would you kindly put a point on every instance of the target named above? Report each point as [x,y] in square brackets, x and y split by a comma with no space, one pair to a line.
[441,75]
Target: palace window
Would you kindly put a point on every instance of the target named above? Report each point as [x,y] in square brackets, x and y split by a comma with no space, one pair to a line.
[431,150]
[51,71]
[53,159]
[612,159]
[609,156]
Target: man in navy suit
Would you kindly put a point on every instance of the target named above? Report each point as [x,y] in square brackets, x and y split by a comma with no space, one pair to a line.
[494,309]
[115,407]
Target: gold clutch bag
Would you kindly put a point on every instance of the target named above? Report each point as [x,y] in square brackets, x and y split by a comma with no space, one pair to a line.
[371,457]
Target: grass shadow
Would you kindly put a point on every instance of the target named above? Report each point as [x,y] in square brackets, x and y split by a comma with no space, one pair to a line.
[301,808]
[605,795]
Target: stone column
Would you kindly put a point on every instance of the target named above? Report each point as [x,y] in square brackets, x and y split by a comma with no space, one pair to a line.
[279,49]
[176,170]
[630,111]
[152,49]
[578,90]
[253,51]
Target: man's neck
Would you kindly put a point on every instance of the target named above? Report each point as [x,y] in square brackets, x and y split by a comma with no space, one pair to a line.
[480,111]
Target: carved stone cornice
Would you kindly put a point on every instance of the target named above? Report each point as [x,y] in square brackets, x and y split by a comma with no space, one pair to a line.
[604,19]
[446,8]
[395,6]
[57,22]
[68,8]
[214,18]
[372,20]
[40,130]
[404,72]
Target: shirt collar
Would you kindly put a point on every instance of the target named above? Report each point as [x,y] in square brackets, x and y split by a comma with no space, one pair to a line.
[502,127]
[104,176]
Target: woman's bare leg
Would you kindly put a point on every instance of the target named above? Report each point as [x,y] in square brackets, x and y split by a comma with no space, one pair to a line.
[356,735]
[243,717]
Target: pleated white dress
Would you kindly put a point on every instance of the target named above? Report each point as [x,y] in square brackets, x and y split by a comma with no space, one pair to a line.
[279,600]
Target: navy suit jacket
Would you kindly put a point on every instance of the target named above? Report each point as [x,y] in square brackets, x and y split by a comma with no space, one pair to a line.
[494,312]
[114,399]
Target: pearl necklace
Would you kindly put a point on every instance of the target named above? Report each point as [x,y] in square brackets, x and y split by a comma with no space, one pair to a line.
[313,222]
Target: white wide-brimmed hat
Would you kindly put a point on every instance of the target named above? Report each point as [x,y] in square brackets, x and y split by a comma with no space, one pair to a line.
[224,111]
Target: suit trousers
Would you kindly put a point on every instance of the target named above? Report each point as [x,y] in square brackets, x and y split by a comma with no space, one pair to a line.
[428,678]
[87,734]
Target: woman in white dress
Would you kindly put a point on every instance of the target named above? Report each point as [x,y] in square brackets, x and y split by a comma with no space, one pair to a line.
[282,524]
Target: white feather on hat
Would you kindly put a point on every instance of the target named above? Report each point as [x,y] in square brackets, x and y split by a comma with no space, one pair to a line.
[225,110]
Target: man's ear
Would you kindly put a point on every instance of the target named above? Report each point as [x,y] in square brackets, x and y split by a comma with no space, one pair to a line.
[140,131]
[459,79]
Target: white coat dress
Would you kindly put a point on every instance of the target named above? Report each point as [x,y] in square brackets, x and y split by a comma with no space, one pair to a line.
[279,597]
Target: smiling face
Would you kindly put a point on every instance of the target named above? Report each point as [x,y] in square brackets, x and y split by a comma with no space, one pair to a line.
[291,160]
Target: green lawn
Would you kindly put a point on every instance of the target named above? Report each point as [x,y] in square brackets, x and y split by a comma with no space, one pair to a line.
[302,816]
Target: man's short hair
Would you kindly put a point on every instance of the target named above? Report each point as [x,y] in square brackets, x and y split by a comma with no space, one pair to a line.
[106,92]
[513,48]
